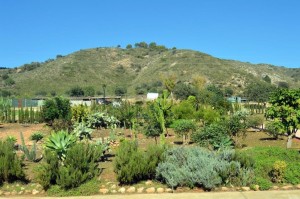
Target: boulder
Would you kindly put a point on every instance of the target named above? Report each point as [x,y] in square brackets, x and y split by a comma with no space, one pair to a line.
[13,193]
[35,192]
[148,182]
[103,191]
[131,190]
[224,189]
[113,191]
[150,190]
[113,186]
[287,187]
[256,187]
[160,190]
[245,188]
[6,193]
[140,190]
[169,190]
[122,190]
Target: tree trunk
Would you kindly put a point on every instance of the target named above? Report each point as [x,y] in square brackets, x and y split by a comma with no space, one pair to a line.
[289,142]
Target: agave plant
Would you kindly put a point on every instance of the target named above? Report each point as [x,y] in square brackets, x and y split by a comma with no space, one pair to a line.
[60,142]
[81,130]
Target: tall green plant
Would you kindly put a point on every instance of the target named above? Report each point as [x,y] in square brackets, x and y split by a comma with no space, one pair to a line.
[31,115]
[162,106]
[5,106]
[13,117]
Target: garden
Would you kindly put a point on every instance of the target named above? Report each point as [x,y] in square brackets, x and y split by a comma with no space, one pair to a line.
[198,143]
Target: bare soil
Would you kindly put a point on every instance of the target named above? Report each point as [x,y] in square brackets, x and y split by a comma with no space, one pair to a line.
[27,129]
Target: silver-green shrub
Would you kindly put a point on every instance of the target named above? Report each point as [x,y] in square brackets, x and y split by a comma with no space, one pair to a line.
[196,166]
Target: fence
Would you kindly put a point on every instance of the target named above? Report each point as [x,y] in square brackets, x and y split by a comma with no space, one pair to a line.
[26,103]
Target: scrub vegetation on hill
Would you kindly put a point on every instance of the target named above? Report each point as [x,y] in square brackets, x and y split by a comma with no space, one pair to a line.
[136,69]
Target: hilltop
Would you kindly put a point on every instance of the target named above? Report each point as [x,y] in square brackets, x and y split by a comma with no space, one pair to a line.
[134,68]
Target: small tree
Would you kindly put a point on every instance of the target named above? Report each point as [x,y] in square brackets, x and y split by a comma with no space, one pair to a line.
[129,46]
[120,91]
[56,108]
[285,107]
[275,128]
[76,91]
[184,128]
[237,125]
[89,91]
[162,106]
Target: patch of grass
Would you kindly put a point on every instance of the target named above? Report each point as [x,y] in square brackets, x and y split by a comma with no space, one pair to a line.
[91,187]
[264,158]
[262,139]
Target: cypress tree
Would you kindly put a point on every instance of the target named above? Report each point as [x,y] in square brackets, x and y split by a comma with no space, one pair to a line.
[31,115]
[14,115]
[21,115]
[26,115]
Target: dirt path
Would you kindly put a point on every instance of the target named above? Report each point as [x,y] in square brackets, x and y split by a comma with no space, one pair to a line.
[293,194]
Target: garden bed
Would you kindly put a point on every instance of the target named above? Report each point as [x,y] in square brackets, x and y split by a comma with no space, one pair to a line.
[106,182]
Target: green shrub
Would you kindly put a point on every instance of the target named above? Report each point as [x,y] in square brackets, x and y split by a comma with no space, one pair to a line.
[264,184]
[11,138]
[10,165]
[56,108]
[132,165]
[213,136]
[277,173]
[37,136]
[48,171]
[292,173]
[153,156]
[79,166]
[255,120]
[88,188]
[61,125]
[275,128]
[79,113]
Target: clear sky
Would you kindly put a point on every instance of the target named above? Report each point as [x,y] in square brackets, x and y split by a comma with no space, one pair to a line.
[256,31]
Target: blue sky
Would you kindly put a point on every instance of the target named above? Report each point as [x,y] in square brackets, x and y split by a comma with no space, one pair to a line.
[256,31]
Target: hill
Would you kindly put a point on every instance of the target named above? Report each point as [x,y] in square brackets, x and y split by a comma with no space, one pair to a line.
[134,68]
